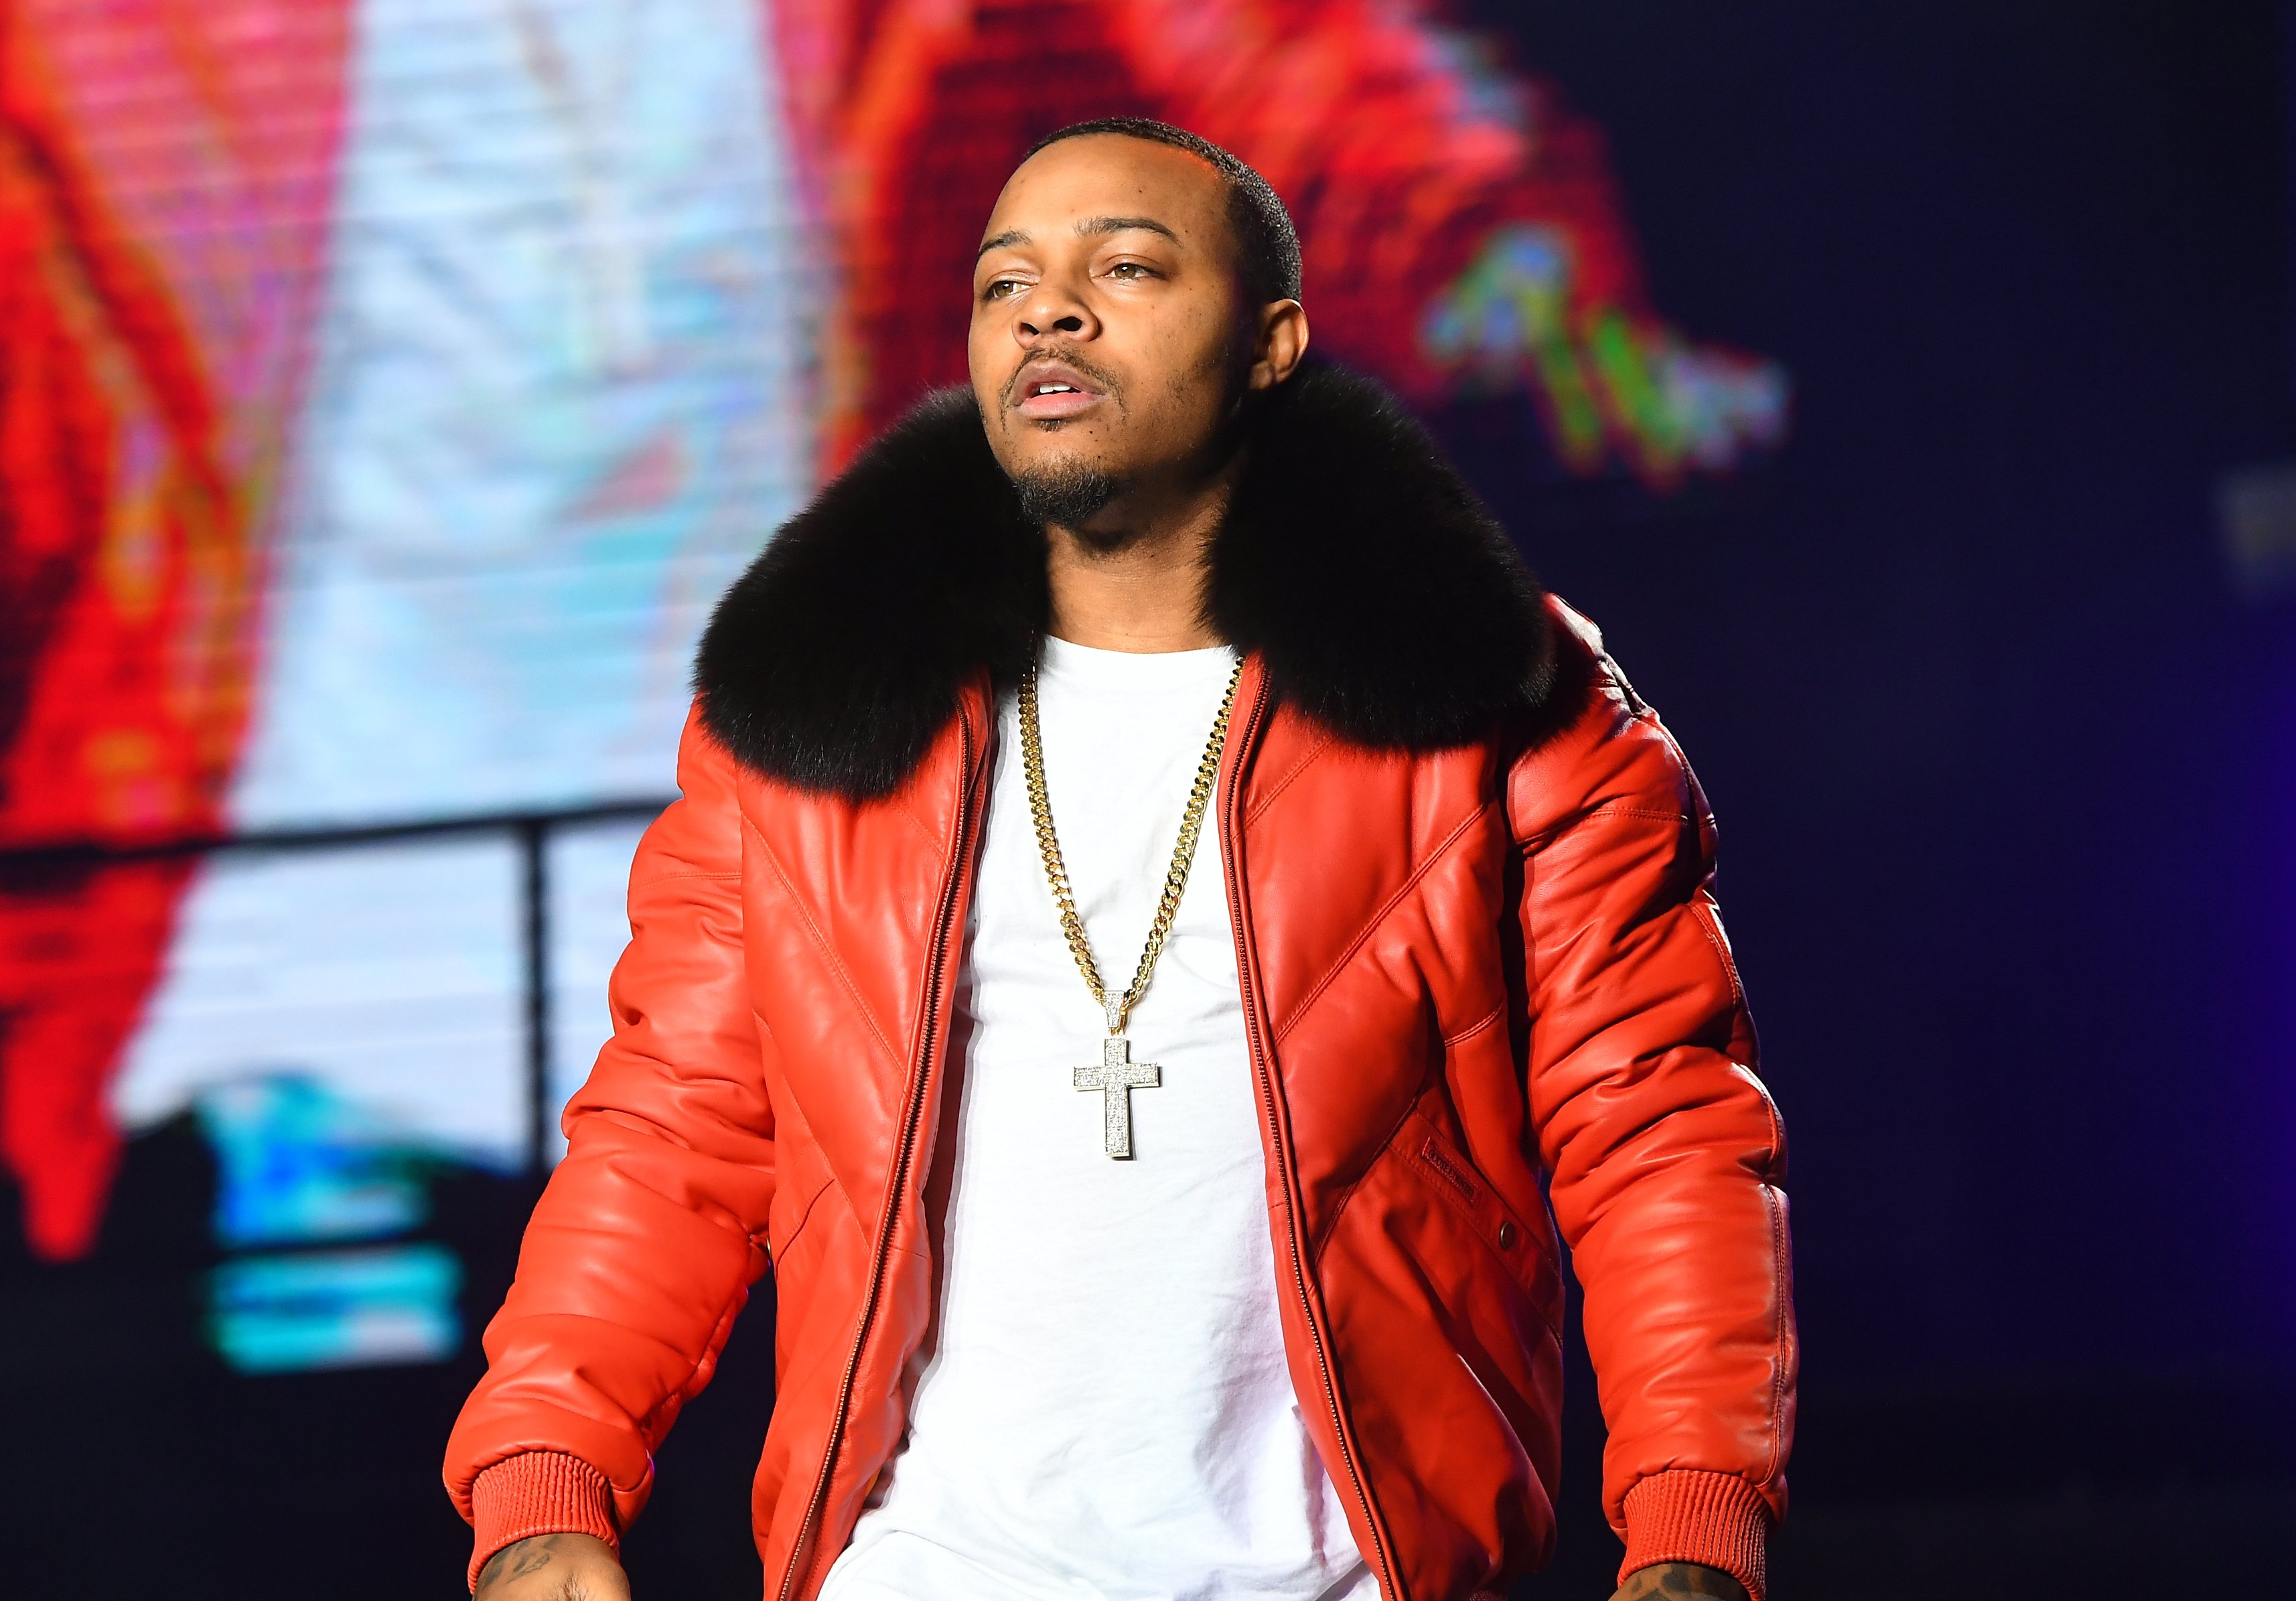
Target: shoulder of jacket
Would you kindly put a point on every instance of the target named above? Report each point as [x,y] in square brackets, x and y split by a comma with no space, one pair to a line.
[1601,747]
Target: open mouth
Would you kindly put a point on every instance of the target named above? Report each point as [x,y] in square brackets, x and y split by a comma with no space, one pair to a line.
[1048,392]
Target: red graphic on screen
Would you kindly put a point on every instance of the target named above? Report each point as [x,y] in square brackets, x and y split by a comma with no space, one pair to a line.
[165,181]
[1459,227]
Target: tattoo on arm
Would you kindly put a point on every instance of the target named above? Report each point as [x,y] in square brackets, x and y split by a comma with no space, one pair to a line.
[517,1559]
[1680,1581]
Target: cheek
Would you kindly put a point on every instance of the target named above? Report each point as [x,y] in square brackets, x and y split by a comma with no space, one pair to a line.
[987,375]
[977,345]
[1194,360]
[1192,347]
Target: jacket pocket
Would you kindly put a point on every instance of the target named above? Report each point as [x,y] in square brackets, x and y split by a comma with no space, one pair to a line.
[1443,1305]
[1446,1251]
[1529,1252]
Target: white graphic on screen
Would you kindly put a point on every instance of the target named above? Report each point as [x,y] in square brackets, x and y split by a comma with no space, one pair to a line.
[559,399]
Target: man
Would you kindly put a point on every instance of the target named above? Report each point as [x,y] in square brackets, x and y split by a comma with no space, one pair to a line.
[1224,1271]
[174,664]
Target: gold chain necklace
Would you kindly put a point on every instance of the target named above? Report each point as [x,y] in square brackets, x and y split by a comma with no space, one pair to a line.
[1116,1074]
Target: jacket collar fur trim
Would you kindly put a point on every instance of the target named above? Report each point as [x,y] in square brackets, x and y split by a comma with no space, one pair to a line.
[1385,602]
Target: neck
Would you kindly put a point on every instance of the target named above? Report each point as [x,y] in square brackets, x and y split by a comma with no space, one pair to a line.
[1133,580]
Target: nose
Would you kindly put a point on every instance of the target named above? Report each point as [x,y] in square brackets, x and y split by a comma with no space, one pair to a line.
[1050,308]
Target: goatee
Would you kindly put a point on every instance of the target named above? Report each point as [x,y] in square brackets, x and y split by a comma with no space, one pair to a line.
[1067,493]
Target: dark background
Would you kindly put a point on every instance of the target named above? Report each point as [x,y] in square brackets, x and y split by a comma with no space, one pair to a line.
[2005,767]
[2006,772]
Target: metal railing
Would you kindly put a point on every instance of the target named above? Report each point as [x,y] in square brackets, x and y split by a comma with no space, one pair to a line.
[531,832]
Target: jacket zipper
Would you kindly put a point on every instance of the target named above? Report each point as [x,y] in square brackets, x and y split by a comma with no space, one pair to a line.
[910,1118]
[1263,1071]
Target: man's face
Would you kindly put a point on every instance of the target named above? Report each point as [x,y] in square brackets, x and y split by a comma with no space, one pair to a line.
[1109,334]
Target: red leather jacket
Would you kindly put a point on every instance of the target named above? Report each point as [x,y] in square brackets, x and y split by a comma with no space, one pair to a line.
[1482,976]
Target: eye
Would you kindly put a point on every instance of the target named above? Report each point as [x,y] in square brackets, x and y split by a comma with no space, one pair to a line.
[1131,270]
[999,288]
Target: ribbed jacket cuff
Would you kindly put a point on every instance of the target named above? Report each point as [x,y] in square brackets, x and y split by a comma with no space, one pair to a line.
[1688,1514]
[538,1492]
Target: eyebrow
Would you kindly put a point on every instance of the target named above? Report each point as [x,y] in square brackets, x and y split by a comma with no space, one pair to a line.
[1086,227]
[1091,225]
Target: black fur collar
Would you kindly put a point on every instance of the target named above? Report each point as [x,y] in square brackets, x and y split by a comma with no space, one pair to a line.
[1386,603]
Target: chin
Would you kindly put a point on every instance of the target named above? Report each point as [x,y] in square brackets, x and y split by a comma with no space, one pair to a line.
[1064,446]
[1064,488]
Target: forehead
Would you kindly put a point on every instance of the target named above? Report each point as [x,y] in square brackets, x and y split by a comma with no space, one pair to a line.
[1111,174]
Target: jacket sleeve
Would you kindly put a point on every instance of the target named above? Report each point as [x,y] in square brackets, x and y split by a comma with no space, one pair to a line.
[644,1246]
[1665,1152]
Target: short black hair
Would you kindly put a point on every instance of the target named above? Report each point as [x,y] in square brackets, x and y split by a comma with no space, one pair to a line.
[1267,247]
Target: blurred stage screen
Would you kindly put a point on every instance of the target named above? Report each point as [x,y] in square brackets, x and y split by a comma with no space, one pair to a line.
[387,389]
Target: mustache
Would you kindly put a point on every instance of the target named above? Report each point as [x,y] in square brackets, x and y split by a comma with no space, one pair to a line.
[1085,369]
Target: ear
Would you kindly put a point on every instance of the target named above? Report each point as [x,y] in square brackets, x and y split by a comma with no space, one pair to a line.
[1282,340]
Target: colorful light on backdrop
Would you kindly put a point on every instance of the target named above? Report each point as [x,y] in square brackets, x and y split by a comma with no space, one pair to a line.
[387,388]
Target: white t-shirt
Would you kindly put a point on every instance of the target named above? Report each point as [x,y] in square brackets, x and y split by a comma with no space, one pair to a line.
[1106,1412]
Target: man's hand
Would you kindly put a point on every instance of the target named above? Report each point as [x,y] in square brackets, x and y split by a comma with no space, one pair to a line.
[1674,1582]
[556,1567]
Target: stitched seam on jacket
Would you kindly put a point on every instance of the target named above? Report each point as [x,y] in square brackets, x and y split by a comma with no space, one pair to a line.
[1566,829]
[772,1257]
[1386,909]
[677,877]
[719,1333]
[828,951]
[1778,1293]
[1777,1329]
[1379,1156]
[679,1395]
[930,838]
[1704,918]
[1451,1042]
[1281,785]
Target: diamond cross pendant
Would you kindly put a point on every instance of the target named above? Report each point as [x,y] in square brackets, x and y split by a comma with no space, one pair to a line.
[1116,1075]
